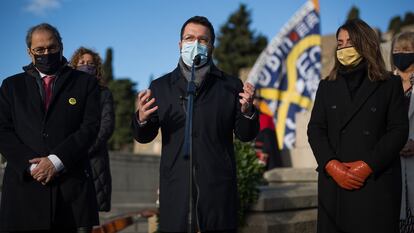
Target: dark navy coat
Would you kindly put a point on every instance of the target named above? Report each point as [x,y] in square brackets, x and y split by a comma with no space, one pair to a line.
[217,116]
[67,129]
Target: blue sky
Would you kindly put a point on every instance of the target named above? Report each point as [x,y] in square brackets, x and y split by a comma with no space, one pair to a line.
[144,34]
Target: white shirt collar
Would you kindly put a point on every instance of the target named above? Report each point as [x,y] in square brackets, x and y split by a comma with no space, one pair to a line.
[42,75]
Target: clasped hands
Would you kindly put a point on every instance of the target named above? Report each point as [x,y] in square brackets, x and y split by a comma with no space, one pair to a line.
[44,170]
[349,176]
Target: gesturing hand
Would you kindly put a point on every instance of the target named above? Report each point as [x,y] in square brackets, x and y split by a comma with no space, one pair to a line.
[144,105]
[44,171]
[345,179]
[246,99]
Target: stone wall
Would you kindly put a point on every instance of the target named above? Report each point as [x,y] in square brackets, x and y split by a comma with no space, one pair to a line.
[135,181]
[287,204]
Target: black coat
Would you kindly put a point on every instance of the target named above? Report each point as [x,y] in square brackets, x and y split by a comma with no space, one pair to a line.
[98,153]
[216,116]
[373,128]
[66,130]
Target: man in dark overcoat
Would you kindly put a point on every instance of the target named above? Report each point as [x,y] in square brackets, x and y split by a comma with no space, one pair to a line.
[222,106]
[49,117]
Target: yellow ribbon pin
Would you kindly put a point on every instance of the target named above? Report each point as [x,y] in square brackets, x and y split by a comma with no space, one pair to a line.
[72,101]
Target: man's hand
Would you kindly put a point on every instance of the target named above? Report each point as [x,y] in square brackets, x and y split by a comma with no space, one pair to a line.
[44,171]
[339,172]
[144,105]
[359,168]
[408,150]
[246,99]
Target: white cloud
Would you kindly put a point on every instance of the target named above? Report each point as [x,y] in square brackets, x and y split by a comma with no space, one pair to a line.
[39,7]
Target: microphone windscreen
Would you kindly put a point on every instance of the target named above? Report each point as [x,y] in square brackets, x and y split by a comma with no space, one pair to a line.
[197,59]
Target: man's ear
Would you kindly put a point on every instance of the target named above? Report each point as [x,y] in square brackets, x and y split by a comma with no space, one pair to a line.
[30,55]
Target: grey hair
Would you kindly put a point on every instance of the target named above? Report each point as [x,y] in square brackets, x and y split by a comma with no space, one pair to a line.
[43,26]
[403,38]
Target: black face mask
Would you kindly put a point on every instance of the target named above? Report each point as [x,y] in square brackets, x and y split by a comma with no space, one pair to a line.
[48,63]
[403,60]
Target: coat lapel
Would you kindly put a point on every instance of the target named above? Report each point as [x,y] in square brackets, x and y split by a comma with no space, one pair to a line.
[179,82]
[59,84]
[34,96]
[367,88]
[34,90]
[344,98]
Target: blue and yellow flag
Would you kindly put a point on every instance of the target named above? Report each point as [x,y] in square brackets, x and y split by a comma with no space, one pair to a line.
[287,72]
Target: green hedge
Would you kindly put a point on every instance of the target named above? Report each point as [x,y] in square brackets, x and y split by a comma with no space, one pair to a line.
[249,176]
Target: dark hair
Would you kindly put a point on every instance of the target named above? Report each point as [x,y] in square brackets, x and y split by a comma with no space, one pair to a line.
[96,59]
[200,20]
[46,27]
[367,44]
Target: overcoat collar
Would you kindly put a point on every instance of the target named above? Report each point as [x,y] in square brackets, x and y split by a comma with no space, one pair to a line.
[179,81]
[351,107]
[34,85]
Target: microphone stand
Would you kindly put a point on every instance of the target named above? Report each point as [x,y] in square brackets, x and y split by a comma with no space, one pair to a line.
[188,138]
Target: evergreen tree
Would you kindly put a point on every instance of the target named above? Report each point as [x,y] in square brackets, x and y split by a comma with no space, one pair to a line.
[107,66]
[408,19]
[395,24]
[238,46]
[353,13]
[123,91]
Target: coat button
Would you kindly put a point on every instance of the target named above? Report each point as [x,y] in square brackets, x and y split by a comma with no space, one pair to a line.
[45,135]
[373,109]
[343,131]
[366,132]
[333,106]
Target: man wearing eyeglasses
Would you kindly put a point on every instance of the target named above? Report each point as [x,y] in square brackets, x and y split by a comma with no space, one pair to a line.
[222,106]
[49,117]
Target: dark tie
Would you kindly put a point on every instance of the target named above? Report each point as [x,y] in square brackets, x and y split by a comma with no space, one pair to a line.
[47,85]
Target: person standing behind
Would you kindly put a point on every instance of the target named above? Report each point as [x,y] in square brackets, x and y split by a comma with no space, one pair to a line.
[49,117]
[222,106]
[402,61]
[357,128]
[89,61]
[267,150]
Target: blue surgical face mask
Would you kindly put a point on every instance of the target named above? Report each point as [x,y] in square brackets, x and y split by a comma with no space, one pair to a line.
[190,49]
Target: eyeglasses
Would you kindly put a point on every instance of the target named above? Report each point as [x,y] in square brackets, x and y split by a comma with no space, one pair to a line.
[42,50]
[191,38]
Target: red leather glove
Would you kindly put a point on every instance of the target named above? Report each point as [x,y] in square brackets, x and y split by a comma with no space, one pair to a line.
[339,172]
[359,168]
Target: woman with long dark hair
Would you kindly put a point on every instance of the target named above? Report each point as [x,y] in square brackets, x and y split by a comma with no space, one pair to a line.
[357,128]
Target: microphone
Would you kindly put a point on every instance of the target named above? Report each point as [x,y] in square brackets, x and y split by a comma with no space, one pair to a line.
[197,59]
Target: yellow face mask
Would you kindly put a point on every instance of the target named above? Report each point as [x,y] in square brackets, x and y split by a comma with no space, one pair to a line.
[348,56]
